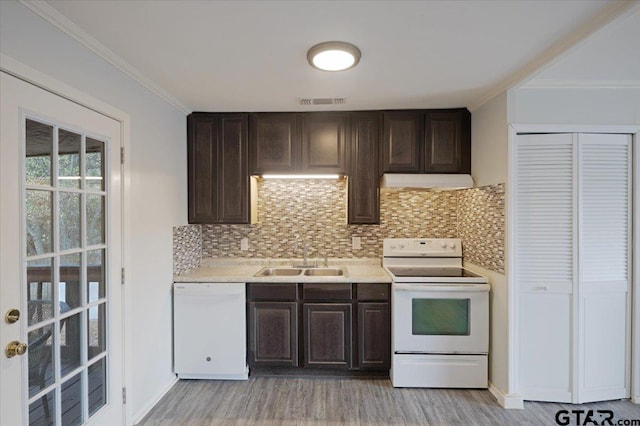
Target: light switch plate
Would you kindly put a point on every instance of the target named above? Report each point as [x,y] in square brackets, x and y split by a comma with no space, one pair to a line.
[356,243]
[244,244]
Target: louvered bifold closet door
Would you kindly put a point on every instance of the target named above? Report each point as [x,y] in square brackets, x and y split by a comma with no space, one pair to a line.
[604,266]
[545,262]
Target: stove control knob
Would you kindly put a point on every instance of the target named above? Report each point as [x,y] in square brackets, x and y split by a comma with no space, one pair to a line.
[443,244]
[401,246]
[393,247]
[452,245]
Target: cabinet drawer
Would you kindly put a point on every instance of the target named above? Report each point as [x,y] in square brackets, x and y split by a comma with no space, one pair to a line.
[313,291]
[269,291]
[373,292]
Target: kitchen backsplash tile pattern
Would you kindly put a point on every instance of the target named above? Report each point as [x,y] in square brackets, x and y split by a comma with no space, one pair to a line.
[481,226]
[294,212]
[187,248]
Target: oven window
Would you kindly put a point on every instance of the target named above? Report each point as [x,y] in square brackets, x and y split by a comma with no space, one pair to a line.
[440,317]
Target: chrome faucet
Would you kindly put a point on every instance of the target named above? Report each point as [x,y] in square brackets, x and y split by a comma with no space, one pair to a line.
[305,249]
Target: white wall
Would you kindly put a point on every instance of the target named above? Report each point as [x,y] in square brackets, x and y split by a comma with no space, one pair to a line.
[490,139]
[490,136]
[157,160]
[588,106]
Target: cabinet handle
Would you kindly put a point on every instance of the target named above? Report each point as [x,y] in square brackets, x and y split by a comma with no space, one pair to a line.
[543,288]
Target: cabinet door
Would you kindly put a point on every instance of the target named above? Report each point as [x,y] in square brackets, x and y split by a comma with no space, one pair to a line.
[275,143]
[327,334]
[402,142]
[364,179]
[448,142]
[273,334]
[374,336]
[324,142]
[202,161]
[233,176]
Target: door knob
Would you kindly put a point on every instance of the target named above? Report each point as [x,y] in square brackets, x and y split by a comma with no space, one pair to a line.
[15,348]
[12,315]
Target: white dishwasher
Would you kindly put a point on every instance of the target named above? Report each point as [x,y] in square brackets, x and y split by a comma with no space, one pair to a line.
[209,331]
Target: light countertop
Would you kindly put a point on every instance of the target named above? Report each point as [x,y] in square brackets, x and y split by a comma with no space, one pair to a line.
[213,270]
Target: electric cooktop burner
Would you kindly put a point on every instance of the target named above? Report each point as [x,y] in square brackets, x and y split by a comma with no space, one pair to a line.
[418,272]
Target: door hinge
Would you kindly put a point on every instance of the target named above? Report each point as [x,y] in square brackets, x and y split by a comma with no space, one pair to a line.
[122,276]
[124,395]
[122,155]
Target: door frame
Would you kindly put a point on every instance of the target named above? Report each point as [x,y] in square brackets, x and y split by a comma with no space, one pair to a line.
[52,85]
[513,295]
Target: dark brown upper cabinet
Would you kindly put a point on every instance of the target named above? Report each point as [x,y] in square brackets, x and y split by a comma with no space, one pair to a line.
[275,143]
[218,178]
[427,141]
[324,142]
[448,142]
[403,141]
[288,143]
[364,179]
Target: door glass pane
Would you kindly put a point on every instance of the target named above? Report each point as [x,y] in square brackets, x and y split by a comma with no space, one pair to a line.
[95,164]
[39,147]
[96,330]
[39,294]
[95,219]
[69,220]
[71,397]
[95,275]
[40,350]
[68,159]
[39,222]
[42,411]
[97,386]
[69,286]
[70,344]
[65,219]
[440,317]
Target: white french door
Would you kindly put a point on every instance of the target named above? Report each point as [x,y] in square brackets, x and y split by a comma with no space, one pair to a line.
[61,244]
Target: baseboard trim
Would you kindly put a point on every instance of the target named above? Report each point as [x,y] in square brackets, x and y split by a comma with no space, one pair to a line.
[635,399]
[508,402]
[145,410]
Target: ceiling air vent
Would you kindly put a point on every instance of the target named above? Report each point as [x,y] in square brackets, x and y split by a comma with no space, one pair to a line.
[322,101]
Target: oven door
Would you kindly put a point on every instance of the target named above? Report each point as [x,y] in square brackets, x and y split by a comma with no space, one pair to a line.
[440,318]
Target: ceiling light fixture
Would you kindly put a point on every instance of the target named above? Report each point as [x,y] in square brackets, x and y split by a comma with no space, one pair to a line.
[334,56]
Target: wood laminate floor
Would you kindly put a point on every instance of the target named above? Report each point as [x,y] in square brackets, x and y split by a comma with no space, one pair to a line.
[343,401]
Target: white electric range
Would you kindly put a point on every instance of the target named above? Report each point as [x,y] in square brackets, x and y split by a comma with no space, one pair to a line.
[440,315]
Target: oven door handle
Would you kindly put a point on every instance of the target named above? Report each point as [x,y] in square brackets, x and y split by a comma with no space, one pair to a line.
[448,288]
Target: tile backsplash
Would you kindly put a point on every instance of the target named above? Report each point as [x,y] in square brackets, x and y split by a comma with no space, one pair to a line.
[481,226]
[187,248]
[292,212]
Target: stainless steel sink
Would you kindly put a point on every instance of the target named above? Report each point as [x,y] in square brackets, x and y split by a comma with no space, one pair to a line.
[274,272]
[324,272]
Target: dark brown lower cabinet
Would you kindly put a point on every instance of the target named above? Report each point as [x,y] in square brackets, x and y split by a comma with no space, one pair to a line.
[374,348]
[273,334]
[340,326]
[327,334]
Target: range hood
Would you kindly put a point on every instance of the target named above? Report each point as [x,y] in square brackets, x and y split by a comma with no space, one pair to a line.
[426,181]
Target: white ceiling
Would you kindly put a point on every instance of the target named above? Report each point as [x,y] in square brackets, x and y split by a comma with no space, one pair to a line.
[251,55]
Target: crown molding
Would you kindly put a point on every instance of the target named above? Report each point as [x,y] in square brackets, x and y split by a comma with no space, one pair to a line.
[580,84]
[58,20]
[614,11]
